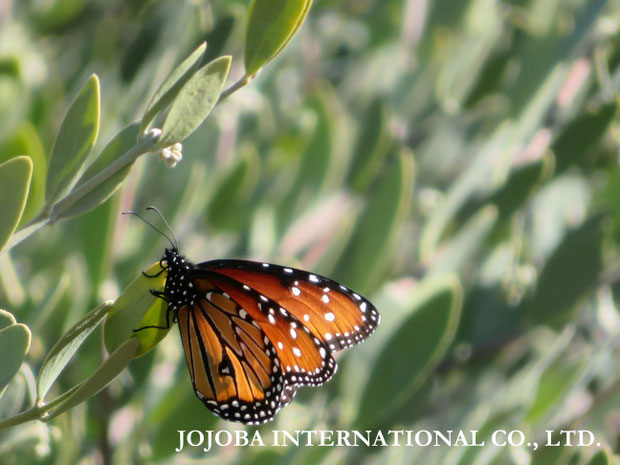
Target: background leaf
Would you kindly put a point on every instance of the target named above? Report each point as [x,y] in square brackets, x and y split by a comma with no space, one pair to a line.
[15,177]
[64,350]
[6,319]
[14,344]
[104,375]
[135,308]
[171,86]
[271,24]
[194,101]
[378,225]
[116,148]
[76,137]
[418,343]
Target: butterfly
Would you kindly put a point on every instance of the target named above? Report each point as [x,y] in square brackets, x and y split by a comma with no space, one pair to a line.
[253,332]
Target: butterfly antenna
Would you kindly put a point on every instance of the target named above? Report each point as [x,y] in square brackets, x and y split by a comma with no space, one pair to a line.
[163,218]
[173,244]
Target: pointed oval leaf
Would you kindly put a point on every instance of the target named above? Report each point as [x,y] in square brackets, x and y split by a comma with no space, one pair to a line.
[136,308]
[66,347]
[458,252]
[74,141]
[373,145]
[554,384]
[15,177]
[116,148]
[104,375]
[228,206]
[575,144]
[271,24]
[14,345]
[572,270]
[373,240]
[194,101]
[413,350]
[171,86]
[25,141]
[602,457]
[6,319]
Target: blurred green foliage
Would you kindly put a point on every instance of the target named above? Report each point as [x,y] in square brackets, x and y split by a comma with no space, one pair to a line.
[456,162]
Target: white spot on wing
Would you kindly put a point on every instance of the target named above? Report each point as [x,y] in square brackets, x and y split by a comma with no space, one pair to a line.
[330,316]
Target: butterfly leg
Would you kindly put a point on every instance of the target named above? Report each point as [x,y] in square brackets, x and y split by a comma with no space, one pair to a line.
[163,268]
[159,295]
[153,275]
[168,311]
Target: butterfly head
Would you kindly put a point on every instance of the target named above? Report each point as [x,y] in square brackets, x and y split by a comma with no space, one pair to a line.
[174,261]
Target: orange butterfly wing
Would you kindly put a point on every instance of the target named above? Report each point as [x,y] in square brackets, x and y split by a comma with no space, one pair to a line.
[233,366]
[332,312]
[254,332]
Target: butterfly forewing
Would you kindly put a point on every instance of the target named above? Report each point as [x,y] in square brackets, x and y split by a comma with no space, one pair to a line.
[333,313]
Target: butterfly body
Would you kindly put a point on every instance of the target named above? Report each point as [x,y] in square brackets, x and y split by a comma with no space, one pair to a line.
[253,333]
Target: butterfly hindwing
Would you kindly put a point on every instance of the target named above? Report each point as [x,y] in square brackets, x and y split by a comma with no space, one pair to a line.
[233,366]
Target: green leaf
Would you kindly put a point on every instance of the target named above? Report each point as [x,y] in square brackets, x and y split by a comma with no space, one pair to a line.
[271,24]
[103,376]
[520,185]
[15,177]
[602,457]
[227,209]
[171,86]
[135,308]
[26,141]
[372,146]
[6,319]
[571,271]
[178,405]
[14,344]
[194,101]
[575,143]
[553,385]
[460,250]
[66,347]
[74,141]
[372,245]
[319,160]
[478,175]
[419,343]
[116,148]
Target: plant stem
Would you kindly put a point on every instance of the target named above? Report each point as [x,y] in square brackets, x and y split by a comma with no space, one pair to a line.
[24,233]
[31,414]
[82,190]
[244,81]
